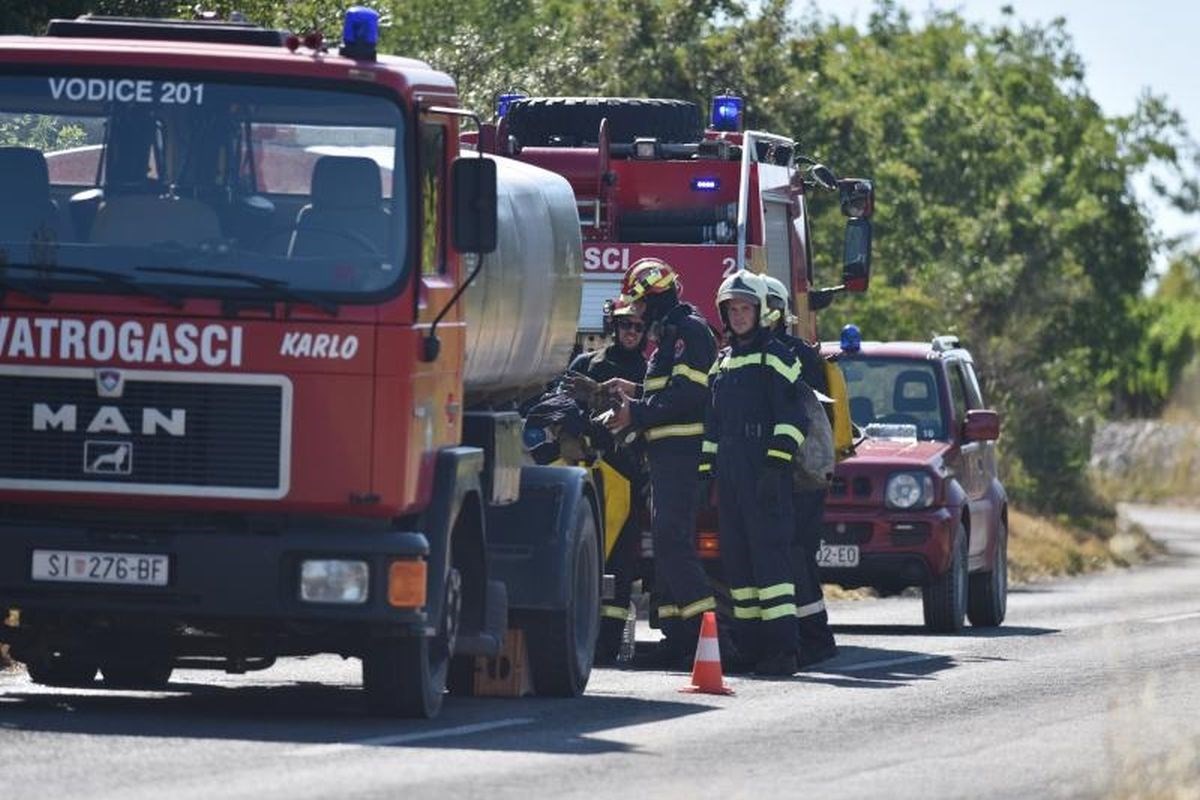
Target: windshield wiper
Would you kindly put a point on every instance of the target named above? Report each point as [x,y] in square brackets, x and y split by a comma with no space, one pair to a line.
[281,287]
[111,278]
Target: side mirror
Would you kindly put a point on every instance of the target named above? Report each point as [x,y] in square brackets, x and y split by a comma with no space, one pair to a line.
[474,185]
[981,425]
[857,197]
[856,255]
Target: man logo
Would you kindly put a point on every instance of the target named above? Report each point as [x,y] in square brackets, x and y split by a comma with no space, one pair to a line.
[110,383]
[107,458]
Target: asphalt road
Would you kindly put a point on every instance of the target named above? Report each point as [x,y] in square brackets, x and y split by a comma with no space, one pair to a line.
[1089,690]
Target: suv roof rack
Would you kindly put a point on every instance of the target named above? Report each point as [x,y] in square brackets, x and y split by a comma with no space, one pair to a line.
[944,343]
[91,26]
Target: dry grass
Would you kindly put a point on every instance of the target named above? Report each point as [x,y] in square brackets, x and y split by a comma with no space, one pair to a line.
[1040,548]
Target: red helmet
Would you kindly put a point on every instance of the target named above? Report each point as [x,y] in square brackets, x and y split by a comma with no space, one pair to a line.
[648,276]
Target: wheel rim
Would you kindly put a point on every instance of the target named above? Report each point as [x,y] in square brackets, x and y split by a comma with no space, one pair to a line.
[443,646]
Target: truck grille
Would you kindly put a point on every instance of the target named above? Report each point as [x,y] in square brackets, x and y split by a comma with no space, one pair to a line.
[143,432]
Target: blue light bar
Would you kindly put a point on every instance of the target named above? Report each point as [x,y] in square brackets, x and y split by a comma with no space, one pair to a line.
[360,32]
[726,113]
[505,100]
[705,184]
[851,339]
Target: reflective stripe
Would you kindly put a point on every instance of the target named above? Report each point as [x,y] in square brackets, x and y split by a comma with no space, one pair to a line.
[781,610]
[614,612]
[706,468]
[810,609]
[753,612]
[668,611]
[776,590]
[744,593]
[663,431]
[692,609]
[654,384]
[782,455]
[708,447]
[684,371]
[790,374]
[783,429]
[708,650]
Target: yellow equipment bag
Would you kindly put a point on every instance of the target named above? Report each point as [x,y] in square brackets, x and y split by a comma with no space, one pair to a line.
[843,435]
[617,498]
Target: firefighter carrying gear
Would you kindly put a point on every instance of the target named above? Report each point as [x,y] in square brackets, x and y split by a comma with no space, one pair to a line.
[670,417]
[621,473]
[755,426]
[815,640]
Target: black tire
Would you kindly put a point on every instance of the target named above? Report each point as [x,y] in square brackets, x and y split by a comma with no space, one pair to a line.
[562,644]
[406,677]
[151,673]
[461,679]
[987,597]
[575,121]
[944,601]
[62,669]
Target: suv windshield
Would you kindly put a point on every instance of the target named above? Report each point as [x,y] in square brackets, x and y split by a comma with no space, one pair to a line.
[187,185]
[895,391]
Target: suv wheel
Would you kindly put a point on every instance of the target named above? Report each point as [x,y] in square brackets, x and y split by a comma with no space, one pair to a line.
[987,598]
[945,600]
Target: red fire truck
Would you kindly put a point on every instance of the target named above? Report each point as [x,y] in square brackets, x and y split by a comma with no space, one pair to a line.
[259,326]
[649,180]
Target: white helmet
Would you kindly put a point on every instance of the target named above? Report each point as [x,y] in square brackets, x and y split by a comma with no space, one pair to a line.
[778,300]
[743,285]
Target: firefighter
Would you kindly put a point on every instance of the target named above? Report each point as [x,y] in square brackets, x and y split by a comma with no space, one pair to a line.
[623,359]
[669,415]
[755,426]
[816,642]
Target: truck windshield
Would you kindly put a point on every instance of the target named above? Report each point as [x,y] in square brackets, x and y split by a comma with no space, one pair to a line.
[196,186]
[895,391]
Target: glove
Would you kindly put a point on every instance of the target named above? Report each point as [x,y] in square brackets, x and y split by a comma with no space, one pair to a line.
[771,489]
[581,388]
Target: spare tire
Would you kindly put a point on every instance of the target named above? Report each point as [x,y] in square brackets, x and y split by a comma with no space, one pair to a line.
[575,121]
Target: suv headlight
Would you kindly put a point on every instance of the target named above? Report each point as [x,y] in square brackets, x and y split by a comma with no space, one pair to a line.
[909,490]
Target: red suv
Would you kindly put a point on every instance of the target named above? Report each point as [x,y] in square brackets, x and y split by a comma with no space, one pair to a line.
[919,503]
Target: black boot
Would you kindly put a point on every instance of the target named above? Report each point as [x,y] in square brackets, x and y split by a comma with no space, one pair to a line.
[608,643]
[780,665]
[810,654]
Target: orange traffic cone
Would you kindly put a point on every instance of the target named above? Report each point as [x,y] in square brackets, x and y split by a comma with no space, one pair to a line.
[706,671]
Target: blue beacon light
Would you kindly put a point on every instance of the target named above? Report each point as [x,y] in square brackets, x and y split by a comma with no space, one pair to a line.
[851,339]
[360,33]
[505,100]
[726,113]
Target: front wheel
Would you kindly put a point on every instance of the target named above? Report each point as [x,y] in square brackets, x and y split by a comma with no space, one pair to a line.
[987,599]
[406,677]
[944,601]
[562,643]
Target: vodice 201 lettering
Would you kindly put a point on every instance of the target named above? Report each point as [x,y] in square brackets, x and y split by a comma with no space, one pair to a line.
[129,342]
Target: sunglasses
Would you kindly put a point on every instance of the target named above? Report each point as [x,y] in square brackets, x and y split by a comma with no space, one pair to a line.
[630,325]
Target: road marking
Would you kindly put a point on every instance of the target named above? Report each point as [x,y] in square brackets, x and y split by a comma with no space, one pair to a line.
[1174,618]
[889,662]
[406,738]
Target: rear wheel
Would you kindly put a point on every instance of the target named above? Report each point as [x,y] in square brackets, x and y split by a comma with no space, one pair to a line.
[987,599]
[406,677]
[127,673]
[944,601]
[562,644]
[62,668]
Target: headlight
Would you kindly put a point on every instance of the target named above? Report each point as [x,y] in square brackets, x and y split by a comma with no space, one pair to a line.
[909,490]
[334,581]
